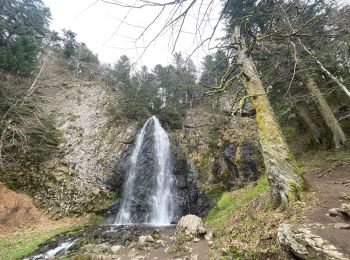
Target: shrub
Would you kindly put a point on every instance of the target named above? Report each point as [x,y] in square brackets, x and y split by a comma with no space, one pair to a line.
[136,111]
[20,56]
[171,117]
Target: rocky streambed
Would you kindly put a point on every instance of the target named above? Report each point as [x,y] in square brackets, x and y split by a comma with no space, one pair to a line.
[186,240]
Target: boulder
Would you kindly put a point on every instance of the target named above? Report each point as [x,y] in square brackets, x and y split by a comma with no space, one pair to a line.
[193,224]
[305,245]
[116,249]
[143,240]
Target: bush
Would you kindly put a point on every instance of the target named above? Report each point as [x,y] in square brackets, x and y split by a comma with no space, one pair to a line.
[136,111]
[20,56]
[171,117]
[44,139]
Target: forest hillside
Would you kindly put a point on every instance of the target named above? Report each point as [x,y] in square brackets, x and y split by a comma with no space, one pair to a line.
[245,157]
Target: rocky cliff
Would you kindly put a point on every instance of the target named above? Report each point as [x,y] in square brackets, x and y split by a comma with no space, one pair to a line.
[77,178]
[223,150]
[212,152]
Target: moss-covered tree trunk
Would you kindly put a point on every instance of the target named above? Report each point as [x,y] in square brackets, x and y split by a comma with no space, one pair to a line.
[305,115]
[280,164]
[339,138]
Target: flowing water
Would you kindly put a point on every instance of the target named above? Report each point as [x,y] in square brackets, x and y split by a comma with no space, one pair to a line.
[60,250]
[148,191]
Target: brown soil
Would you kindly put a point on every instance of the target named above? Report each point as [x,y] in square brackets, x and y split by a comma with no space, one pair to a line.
[330,187]
[17,211]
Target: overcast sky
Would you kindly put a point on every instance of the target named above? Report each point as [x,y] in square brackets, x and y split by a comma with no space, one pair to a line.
[99,25]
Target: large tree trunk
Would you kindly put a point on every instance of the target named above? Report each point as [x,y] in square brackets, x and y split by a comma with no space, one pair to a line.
[281,168]
[338,134]
[323,68]
[305,115]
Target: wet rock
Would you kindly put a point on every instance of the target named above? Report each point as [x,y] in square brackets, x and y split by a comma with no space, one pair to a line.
[188,197]
[193,224]
[229,155]
[248,165]
[305,245]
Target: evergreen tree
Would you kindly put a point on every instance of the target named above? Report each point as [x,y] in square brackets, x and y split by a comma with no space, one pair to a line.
[23,25]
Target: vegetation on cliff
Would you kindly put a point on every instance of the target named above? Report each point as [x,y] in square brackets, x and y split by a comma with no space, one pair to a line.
[274,93]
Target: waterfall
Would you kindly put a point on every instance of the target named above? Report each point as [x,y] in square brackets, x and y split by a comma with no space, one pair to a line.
[148,191]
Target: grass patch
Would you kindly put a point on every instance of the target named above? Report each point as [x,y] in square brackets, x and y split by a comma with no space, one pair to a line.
[233,202]
[245,224]
[18,245]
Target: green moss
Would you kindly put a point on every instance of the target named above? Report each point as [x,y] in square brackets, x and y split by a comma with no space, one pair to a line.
[19,245]
[233,202]
[215,191]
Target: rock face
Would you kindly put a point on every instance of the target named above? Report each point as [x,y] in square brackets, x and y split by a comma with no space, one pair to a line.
[76,179]
[188,198]
[305,245]
[221,149]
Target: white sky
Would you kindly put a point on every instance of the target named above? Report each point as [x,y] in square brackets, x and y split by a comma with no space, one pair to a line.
[98,25]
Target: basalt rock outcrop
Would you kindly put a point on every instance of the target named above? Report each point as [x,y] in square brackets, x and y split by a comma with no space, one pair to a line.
[188,198]
[222,149]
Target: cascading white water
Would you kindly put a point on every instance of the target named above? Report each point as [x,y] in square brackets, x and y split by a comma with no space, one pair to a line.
[161,197]
[162,207]
[124,216]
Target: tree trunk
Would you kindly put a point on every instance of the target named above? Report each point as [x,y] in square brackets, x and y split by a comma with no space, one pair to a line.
[282,171]
[305,115]
[323,68]
[338,134]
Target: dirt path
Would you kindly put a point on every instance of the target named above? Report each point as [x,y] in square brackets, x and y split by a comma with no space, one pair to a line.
[331,188]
